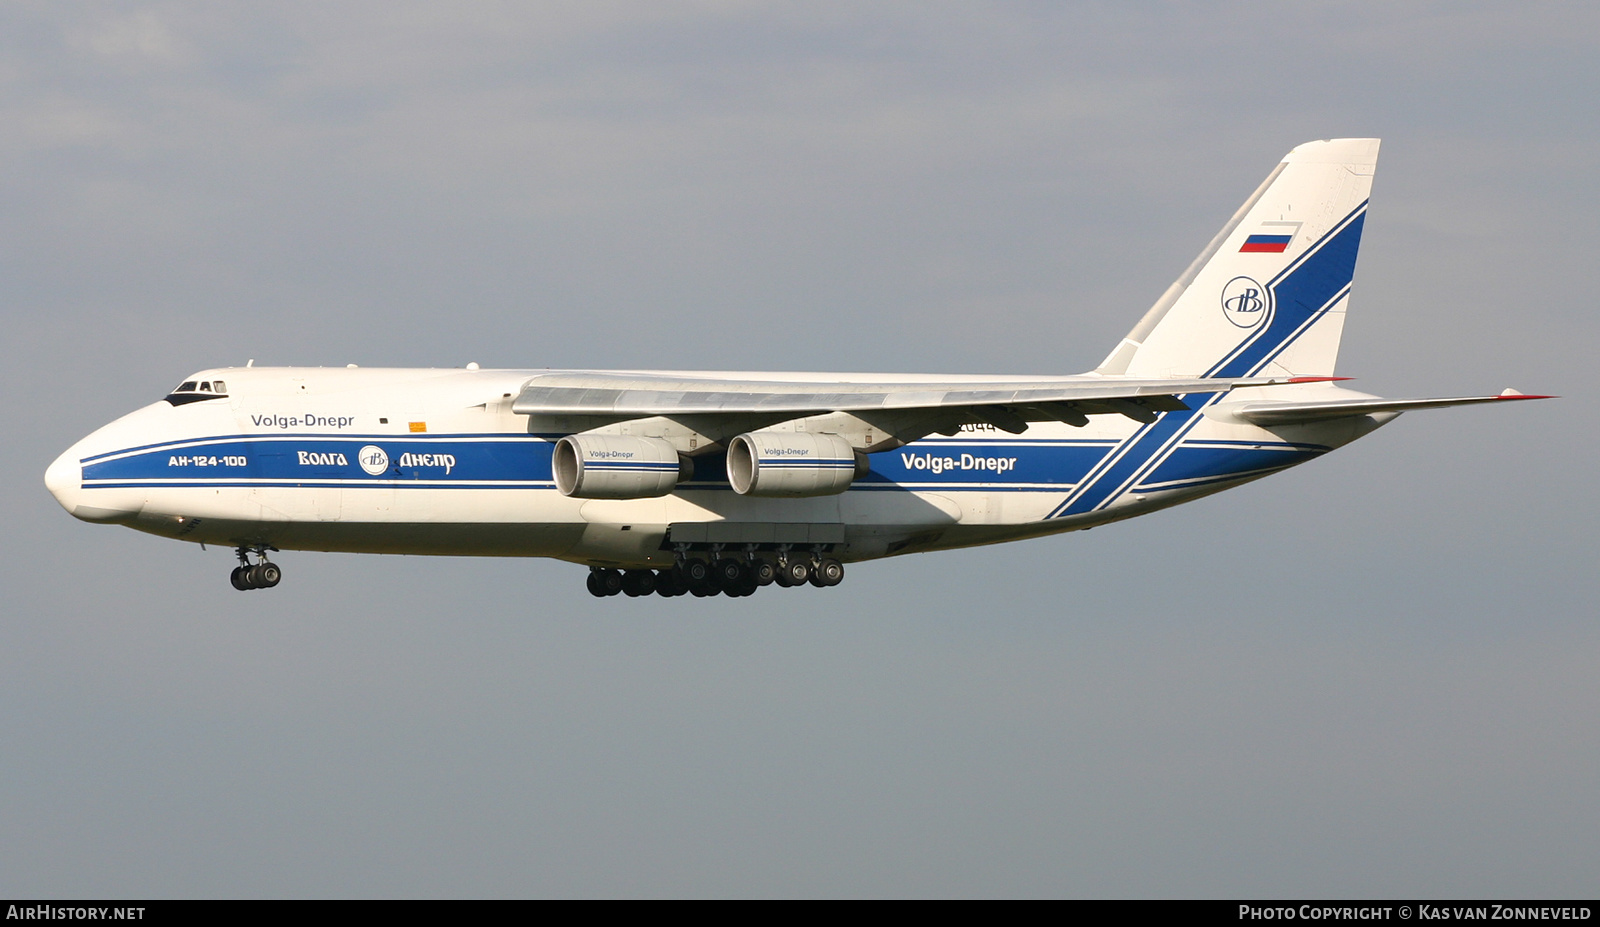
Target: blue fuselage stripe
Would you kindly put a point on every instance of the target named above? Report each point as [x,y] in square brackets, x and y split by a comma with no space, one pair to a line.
[479,462]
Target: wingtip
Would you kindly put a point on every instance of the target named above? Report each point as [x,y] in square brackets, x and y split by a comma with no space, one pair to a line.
[1318,379]
[1513,394]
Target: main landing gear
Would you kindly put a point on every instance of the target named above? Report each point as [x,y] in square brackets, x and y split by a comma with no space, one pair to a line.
[727,576]
[264,574]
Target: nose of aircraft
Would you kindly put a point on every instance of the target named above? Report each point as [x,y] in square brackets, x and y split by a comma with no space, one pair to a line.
[64,479]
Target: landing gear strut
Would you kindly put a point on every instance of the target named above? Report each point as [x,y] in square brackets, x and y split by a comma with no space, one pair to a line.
[264,574]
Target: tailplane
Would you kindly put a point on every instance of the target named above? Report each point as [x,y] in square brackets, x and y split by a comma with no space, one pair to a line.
[1270,413]
[1267,296]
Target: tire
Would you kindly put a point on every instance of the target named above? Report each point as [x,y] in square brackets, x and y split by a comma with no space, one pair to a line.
[694,573]
[269,575]
[638,582]
[610,581]
[237,578]
[596,586]
[765,571]
[667,584]
[730,573]
[796,572]
[830,572]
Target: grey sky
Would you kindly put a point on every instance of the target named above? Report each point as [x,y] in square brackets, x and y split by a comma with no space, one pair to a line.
[1373,675]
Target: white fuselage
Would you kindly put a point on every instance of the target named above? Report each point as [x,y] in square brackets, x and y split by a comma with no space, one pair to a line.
[434,461]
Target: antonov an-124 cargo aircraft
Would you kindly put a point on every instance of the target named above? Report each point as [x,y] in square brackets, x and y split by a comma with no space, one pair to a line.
[673,482]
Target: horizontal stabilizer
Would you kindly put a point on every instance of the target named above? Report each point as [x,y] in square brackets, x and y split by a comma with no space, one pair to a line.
[1290,413]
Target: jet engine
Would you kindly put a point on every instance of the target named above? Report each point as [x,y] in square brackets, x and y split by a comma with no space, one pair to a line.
[771,463]
[618,467]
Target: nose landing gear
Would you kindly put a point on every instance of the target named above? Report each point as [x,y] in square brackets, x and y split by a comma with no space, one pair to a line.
[264,574]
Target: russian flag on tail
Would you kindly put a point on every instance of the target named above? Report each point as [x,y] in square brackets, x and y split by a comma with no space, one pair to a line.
[1273,238]
[1266,244]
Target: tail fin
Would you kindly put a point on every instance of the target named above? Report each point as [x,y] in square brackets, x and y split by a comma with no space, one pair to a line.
[1268,295]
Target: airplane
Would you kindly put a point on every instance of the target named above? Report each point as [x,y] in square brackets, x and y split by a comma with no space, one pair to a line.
[687,482]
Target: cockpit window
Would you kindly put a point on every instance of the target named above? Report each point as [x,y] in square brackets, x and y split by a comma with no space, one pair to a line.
[197,391]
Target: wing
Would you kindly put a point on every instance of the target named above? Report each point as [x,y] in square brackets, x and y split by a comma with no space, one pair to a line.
[906,409]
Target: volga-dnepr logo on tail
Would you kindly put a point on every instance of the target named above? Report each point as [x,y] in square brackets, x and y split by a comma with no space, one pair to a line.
[1245,302]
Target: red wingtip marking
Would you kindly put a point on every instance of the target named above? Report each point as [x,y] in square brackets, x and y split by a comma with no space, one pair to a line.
[1526,396]
[1317,379]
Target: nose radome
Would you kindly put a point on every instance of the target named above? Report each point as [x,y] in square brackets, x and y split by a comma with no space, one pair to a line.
[64,479]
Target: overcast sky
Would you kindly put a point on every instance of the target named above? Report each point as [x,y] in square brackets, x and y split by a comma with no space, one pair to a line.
[1372,675]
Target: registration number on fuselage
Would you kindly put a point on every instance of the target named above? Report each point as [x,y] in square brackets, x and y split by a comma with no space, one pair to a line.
[201,460]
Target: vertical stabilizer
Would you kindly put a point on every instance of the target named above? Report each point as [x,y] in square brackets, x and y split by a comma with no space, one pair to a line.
[1268,295]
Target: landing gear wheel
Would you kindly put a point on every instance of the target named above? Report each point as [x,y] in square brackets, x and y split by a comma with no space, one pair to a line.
[794,573]
[668,584]
[697,578]
[765,571]
[636,583]
[263,575]
[694,573]
[610,581]
[730,573]
[829,572]
[745,586]
[597,588]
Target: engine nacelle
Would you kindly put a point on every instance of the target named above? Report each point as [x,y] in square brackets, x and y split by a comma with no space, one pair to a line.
[617,467]
[772,463]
